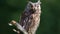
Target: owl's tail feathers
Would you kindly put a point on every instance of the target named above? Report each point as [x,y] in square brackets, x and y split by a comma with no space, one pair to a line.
[18,27]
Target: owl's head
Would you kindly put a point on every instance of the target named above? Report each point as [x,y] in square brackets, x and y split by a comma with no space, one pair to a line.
[33,6]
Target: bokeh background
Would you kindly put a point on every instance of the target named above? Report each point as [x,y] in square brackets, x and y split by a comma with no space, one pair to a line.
[12,9]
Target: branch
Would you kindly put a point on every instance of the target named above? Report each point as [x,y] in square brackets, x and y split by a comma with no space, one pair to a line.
[18,26]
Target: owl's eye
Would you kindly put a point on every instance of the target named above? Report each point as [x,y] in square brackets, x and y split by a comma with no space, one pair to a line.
[31,5]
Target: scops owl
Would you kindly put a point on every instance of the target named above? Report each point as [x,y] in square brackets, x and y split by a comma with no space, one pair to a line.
[30,18]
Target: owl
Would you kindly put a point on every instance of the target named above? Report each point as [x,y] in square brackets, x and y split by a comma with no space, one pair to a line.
[30,18]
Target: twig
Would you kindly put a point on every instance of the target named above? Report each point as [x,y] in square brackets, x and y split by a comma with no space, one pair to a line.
[18,26]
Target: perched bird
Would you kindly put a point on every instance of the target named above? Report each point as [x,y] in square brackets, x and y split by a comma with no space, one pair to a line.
[30,18]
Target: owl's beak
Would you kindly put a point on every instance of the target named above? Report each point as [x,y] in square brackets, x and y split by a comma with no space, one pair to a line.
[33,10]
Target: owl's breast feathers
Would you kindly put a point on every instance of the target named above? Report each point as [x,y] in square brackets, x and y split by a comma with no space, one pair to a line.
[28,20]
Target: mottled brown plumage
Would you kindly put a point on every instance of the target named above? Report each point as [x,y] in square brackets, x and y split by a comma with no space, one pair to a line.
[31,17]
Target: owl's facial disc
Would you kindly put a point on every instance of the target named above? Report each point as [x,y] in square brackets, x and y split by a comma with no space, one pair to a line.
[34,7]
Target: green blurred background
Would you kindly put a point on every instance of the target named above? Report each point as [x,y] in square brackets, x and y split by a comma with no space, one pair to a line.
[12,9]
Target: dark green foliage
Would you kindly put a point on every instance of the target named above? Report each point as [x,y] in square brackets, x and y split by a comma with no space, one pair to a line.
[12,9]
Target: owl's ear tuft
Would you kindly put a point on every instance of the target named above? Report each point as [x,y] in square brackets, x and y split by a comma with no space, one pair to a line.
[39,2]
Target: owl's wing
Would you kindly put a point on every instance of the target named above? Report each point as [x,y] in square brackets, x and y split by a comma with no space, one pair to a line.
[23,19]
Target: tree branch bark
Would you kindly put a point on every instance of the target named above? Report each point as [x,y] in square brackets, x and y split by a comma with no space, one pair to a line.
[18,27]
